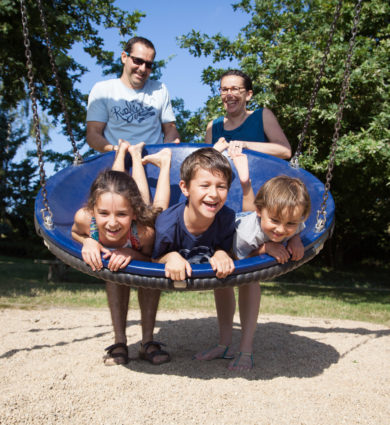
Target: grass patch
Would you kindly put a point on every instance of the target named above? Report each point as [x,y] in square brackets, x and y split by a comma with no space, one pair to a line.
[310,291]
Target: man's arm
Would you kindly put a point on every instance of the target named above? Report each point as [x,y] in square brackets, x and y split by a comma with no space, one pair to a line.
[95,137]
[171,135]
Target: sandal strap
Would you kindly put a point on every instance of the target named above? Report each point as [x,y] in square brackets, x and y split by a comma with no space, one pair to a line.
[225,353]
[245,354]
[155,343]
[114,346]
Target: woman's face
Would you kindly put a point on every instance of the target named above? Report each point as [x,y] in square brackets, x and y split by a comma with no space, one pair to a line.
[234,95]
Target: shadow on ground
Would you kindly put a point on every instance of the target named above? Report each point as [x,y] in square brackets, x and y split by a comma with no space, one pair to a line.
[280,349]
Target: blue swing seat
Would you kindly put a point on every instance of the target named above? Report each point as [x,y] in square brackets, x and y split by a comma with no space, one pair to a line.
[68,190]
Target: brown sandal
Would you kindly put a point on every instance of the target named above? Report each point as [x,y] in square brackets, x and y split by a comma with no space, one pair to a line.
[144,355]
[118,358]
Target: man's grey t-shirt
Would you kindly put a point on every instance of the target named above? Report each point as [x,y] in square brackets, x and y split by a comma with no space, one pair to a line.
[132,115]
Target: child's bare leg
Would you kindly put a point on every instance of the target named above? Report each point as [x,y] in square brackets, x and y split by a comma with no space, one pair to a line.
[138,171]
[119,161]
[161,159]
[225,303]
[249,304]
[240,161]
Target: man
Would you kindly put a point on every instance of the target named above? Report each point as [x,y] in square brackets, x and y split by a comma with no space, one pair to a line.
[131,107]
[136,109]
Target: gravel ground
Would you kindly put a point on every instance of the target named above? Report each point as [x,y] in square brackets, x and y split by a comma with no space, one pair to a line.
[307,371]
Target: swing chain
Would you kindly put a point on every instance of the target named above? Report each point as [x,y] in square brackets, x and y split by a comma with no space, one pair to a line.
[321,214]
[294,162]
[77,157]
[46,212]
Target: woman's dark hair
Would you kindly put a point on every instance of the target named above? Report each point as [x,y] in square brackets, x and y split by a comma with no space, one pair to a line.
[238,73]
[122,184]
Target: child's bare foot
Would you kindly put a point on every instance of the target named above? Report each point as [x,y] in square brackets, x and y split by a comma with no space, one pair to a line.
[136,150]
[158,159]
[217,352]
[120,155]
[240,161]
[221,145]
[123,145]
[242,362]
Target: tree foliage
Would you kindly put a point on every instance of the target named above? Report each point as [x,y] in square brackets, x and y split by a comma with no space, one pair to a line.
[69,23]
[17,187]
[281,48]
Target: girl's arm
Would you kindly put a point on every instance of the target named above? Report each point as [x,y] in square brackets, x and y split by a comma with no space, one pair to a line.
[81,225]
[91,250]
[121,257]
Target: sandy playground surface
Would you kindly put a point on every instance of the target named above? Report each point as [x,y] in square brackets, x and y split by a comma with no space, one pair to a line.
[307,371]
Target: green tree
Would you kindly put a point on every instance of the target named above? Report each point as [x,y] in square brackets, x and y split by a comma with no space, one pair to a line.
[281,49]
[69,23]
[17,180]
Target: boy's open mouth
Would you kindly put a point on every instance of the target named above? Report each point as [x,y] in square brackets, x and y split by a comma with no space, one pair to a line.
[211,205]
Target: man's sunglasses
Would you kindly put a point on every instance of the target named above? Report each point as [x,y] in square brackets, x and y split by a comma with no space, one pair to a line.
[139,61]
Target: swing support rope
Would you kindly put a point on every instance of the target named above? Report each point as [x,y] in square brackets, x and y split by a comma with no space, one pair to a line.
[295,159]
[321,213]
[46,211]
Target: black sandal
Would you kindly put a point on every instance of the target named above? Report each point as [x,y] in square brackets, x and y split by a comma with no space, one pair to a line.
[123,358]
[144,355]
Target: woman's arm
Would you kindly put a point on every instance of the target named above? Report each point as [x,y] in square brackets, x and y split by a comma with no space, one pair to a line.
[277,144]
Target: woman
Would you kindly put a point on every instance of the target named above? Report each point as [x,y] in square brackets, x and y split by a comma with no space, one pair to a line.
[258,130]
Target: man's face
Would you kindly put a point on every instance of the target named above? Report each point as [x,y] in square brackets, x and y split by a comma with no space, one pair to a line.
[135,76]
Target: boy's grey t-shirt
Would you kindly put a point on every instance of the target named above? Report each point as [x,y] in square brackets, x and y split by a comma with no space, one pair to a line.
[249,236]
[133,115]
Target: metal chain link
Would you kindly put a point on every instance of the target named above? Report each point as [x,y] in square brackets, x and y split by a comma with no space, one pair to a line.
[294,162]
[321,213]
[46,212]
[77,157]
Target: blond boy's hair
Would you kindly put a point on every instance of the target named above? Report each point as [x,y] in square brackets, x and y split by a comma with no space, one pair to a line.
[283,194]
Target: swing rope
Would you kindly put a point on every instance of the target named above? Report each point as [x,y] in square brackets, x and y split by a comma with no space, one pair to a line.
[77,157]
[46,211]
[295,159]
[321,213]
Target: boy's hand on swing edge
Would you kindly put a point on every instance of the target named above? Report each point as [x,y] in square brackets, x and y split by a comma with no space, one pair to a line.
[91,253]
[222,264]
[176,266]
[278,251]
[295,248]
